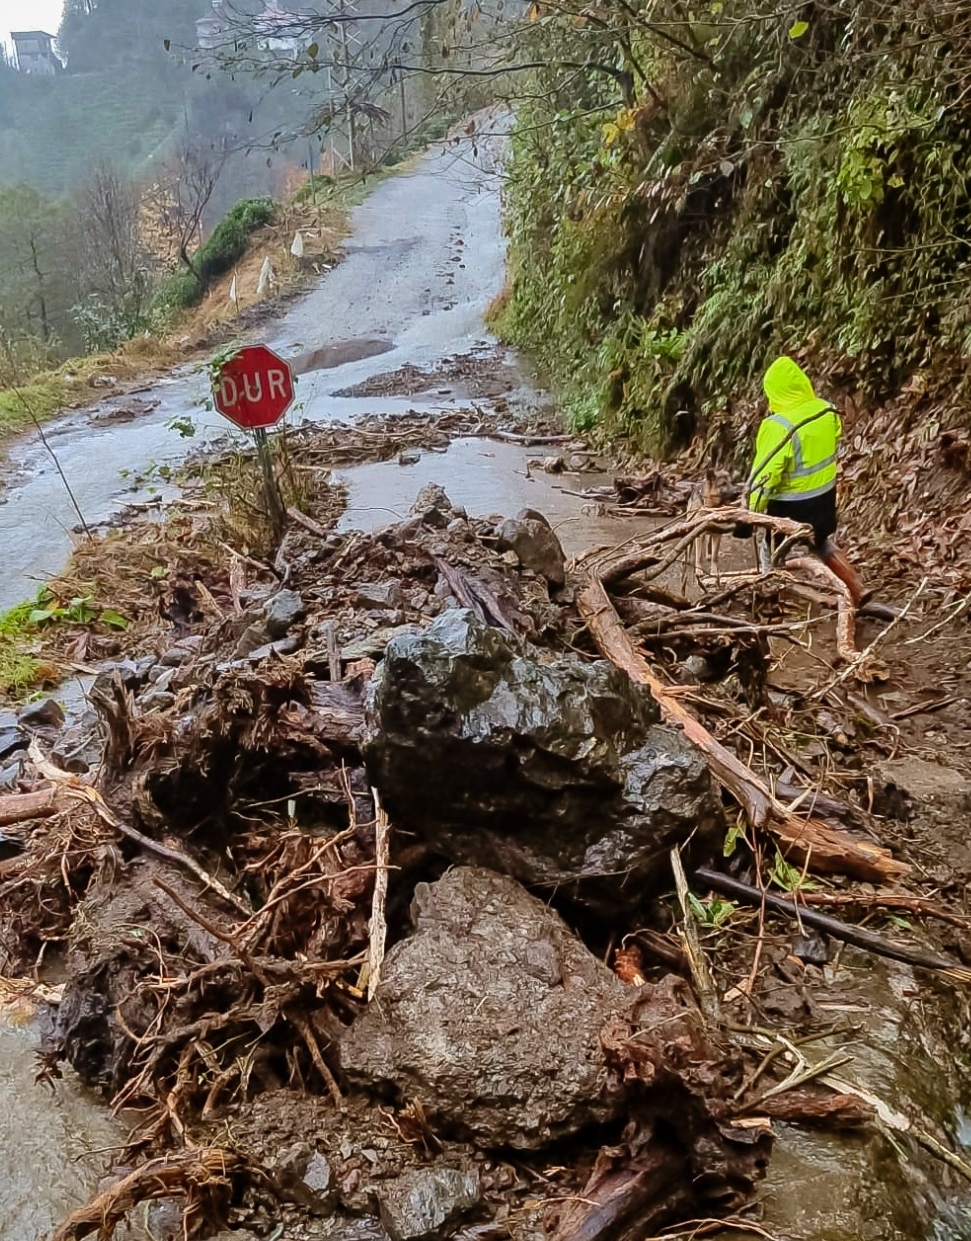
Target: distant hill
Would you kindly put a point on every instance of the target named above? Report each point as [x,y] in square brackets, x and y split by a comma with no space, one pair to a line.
[125,98]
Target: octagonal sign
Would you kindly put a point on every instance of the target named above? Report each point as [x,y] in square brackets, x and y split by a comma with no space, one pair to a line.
[253,388]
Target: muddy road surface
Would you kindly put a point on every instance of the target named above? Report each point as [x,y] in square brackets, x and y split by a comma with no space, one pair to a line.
[424,259]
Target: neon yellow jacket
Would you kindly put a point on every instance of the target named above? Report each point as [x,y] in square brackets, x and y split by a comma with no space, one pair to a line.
[805,465]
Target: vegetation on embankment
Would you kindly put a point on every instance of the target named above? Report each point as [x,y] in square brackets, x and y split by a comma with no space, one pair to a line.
[192,310]
[690,195]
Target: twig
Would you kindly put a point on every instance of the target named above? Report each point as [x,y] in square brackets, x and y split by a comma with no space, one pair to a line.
[94,798]
[865,654]
[378,926]
[855,935]
[303,1025]
[308,523]
[690,941]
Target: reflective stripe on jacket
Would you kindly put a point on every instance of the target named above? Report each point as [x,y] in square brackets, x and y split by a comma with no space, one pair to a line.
[795,452]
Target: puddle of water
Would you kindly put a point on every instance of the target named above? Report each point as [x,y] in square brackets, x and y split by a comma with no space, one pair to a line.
[485,477]
[343,352]
[54,1145]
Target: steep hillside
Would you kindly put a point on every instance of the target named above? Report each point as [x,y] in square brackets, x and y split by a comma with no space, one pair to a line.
[694,189]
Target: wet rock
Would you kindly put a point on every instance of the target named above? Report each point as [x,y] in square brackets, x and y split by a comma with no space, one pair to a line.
[409,456]
[157,700]
[12,736]
[47,714]
[531,537]
[133,673]
[379,594]
[556,773]
[425,1204]
[282,612]
[432,507]
[79,748]
[490,1016]
[285,646]
[304,1176]
[373,646]
[9,775]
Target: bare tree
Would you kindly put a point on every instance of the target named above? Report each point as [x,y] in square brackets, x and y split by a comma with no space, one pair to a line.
[196,177]
[115,266]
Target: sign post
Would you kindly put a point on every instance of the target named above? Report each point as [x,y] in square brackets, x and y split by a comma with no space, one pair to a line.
[254,389]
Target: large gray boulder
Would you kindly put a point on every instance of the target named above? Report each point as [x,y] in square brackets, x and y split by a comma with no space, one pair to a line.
[490,1016]
[556,773]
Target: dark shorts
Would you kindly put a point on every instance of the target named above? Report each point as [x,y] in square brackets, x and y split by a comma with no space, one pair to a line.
[818,512]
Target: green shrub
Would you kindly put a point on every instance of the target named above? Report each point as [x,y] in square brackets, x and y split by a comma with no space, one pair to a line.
[221,252]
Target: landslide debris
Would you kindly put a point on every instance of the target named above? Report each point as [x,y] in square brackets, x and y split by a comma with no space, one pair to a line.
[321,1024]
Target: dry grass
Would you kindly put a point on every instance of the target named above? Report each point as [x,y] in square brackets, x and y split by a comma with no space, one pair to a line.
[81,381]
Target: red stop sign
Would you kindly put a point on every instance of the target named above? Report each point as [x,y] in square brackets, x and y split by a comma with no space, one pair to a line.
[254,388]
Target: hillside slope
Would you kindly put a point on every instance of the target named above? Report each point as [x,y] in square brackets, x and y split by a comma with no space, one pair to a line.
[737,182]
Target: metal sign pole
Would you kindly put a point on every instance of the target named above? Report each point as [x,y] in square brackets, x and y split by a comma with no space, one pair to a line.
[275,505]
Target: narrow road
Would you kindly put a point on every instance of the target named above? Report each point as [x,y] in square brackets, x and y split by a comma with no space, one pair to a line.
[424,259]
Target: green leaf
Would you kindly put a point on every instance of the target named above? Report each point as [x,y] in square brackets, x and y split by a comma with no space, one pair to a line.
[798,29]
[313,50]
[114,619]
[40,616]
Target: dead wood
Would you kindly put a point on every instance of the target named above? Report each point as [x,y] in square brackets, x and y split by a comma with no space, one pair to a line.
[491,605]
[21,807]
[814,1107]
[870,941]
[378,926]
[196,1175]
[829,850]
[845,607]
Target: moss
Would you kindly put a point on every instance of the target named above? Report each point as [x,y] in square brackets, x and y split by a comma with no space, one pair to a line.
[20,669]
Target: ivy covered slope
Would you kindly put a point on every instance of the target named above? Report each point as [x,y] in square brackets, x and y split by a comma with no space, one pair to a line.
[696,187]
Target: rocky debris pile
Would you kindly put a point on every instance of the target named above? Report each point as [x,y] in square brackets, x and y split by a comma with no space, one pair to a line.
[263,938]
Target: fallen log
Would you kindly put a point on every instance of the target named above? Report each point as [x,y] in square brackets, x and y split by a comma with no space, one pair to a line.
[870,941]
[19,807]
[829,850]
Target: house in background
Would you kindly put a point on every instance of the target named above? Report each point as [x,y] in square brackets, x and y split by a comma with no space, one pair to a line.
[34,52]
[273,29]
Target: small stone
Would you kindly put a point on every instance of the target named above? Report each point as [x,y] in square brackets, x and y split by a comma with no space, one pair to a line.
[457,527]
[156,700]
[174,657]
[285,646]
[47,714]
[319,1177]
[78,749]
[282,612]
[379,594]
[511,559]
[12,737]
[530,537]
[133,674]
[433,507]
[409,456]
[9,775]
[425,1204]
[251,639]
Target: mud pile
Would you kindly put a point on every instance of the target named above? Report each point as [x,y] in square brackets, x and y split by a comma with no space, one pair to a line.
[363,893]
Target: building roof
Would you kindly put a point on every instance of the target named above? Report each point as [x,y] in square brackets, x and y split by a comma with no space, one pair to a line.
[31,34]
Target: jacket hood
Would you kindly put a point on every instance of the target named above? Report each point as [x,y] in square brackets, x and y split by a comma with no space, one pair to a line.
[789,390]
